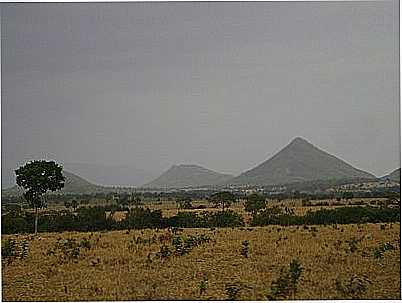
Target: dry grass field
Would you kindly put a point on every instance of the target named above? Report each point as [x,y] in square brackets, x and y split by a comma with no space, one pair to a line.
[125,265]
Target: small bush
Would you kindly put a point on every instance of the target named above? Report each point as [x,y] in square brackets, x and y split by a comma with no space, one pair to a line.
[227,218]
[202,286]
[13,249]
[353,242]
[164,252]
[8,250]
[354,288]
[287,282]
[68,249]
[245,248]
[378,252]
[232,291]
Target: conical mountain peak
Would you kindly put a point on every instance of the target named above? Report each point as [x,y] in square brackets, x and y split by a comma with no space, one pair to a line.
[299,140]
[297,162]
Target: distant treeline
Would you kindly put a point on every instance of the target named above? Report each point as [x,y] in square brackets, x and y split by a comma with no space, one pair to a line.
[84,199]
[390,192]
[320,185]
[340,215]
[96,219]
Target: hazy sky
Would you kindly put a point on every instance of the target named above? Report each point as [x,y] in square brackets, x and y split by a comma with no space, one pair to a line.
[222,85]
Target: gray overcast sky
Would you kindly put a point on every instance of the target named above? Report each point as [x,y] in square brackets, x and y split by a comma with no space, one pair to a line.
[223,85]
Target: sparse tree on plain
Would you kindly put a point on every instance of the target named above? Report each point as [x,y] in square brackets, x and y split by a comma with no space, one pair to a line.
[224,199]
[184,203]
[67,204]
[74,204]
[255,203]
[38,177]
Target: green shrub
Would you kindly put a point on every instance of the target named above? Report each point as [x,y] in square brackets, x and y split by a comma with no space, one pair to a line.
[226,218]
[378,252]
[202,286]
[68,249]
[232,291]
[12,249]
[286,283]
[245,248]
[164,252]
[184,244]
[8,250]
[354,288]
[139,218]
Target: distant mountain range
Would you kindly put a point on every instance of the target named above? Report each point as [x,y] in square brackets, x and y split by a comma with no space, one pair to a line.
[394,176]
[180,176]
[300,161]
[73,184]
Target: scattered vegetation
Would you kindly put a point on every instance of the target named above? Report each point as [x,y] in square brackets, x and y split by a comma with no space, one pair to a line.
[13,249]
[378,252]
[245,248]
[286,284]
[254,203]
[232,291]
[202,286]
[354,288]
[69,249]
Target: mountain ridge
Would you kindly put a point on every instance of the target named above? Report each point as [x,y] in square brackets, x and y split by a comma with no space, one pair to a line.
[395,175]
[187,175]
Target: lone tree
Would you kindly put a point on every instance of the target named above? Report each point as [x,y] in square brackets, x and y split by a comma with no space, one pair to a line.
[184,203]
[74,204]
[67,204]
[137,201]
[223,198]
[37,177]
[254,203]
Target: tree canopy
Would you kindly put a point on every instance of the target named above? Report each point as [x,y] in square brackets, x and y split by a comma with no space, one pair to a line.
[38,177]
[223,198]
[254,203]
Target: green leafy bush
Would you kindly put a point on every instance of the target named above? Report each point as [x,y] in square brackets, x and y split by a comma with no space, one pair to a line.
[286,283]
[202,286]
[69,249]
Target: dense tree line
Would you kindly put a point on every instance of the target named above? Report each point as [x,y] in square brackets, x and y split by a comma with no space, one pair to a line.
[340,215]
[97,218]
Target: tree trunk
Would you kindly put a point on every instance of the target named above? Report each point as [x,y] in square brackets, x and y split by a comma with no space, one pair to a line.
[36,220]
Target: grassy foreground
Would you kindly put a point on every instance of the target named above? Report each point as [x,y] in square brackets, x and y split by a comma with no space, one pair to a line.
[339,262]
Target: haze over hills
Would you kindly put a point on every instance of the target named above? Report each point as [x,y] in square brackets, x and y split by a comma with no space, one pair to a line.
[108,175]
[180,176]
[73,184]
[394,176]
[297,162]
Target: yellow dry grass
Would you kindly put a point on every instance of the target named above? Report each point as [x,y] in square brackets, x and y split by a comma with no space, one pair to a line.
[116,269]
